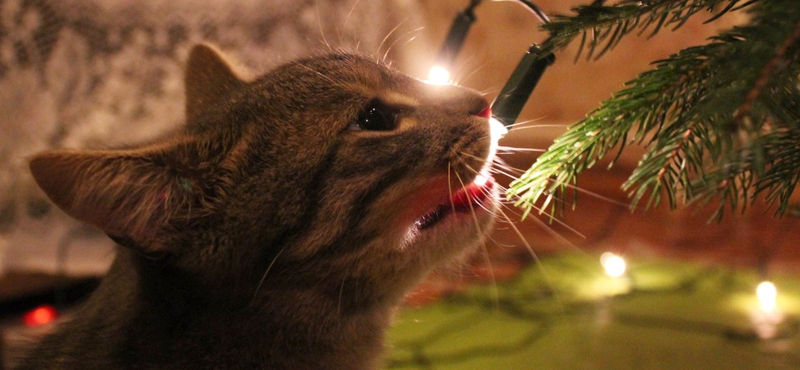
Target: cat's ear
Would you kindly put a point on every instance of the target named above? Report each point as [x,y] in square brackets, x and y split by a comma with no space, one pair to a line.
[209,78]
[132,195]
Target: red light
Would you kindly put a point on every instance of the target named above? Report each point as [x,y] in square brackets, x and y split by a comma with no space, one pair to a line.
[40,315]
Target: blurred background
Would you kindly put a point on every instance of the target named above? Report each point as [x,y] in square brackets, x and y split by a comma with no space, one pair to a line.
[103,73]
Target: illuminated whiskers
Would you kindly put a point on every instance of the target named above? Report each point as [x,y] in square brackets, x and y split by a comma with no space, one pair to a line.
[496,132]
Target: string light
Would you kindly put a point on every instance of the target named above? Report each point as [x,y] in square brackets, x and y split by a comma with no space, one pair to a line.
[614,265]
[520,85]
[523,80]
[767,295]
[40,316]
[497,132]
[438,75]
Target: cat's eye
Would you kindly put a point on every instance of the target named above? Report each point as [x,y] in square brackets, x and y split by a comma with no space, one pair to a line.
[376,116]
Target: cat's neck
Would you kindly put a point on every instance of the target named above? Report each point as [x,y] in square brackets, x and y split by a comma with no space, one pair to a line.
[307,329]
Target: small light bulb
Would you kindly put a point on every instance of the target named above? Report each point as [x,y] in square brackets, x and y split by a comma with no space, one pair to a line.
[614,265]
[496,131]
[767,295]
[480,180]
[438,76]
[40,316]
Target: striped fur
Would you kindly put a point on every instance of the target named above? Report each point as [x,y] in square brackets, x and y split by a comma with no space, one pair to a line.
[269,234]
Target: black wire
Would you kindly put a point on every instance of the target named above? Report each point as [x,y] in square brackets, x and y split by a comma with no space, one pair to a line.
[533,8]
[472,5]
[536,10]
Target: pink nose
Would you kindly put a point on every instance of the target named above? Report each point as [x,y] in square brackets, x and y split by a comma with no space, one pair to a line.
[486,113]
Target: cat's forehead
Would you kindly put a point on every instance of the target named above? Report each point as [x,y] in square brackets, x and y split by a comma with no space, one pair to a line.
[355,72]
[348,65]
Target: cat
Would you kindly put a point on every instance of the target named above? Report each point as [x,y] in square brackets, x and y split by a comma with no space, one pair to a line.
[282,226]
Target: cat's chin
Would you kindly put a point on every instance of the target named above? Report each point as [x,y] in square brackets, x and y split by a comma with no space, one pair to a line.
[469,201]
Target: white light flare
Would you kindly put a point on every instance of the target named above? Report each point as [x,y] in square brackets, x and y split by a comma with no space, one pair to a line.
[497,131]
[438,75]
[767,295]
[480,180]
[614,265]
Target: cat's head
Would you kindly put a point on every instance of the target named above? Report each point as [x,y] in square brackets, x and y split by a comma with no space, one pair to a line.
[332,172]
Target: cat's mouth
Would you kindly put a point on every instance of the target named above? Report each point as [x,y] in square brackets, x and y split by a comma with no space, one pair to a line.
[468,199]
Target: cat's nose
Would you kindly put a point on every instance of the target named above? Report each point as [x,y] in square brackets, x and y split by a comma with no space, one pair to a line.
[479,106]
[485,113]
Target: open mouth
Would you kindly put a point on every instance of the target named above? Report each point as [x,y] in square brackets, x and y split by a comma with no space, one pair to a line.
[468,199]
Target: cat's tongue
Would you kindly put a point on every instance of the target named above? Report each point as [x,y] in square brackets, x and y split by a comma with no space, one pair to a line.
[469,198]
[473,194]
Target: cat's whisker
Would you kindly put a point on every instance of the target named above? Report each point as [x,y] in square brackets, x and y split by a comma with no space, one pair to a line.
[482,235]
[507,167]
[341,291]
[486,191]
[542,212]
[458,73]
[499,166]
[510,172]
[264,277]
[496,163]
[511,149]
[533,255]
[601,197]
[555,219]
[563,224]
[491,90]
[503,172]
[319,24]
[389,49]
[542,126]
[318,73]
[349,15]
[389,35]
[450,187]
[597,196]
[476,70]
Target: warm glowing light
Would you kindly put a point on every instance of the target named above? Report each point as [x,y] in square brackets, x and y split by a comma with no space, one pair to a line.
[438,76]
[496,130]
[40,316]
[614,265]
[767,295]
[481,180]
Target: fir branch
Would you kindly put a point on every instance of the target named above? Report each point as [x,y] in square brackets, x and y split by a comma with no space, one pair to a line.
[721,122]
[603,27]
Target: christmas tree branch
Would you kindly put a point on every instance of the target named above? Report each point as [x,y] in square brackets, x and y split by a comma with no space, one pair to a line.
[604,26]
[720,121]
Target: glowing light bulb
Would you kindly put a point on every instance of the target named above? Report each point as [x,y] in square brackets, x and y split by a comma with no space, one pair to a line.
[614,265]
[481,180]
[438,76]
[497,131]
[40,316]
[767,295]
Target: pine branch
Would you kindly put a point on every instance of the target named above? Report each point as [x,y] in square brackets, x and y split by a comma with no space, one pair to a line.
[721,122]
[603,27]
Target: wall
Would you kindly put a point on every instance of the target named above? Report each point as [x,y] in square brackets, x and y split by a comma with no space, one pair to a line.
[104,73]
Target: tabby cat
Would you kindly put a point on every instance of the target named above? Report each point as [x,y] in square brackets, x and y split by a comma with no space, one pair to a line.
[281,227]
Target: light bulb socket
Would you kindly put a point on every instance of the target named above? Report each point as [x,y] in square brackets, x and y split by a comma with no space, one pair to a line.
[512,98]
[455,37]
